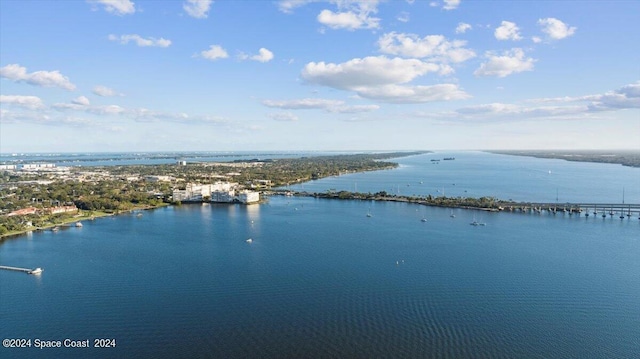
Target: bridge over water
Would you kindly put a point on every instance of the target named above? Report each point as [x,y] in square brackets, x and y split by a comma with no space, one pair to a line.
[623,210]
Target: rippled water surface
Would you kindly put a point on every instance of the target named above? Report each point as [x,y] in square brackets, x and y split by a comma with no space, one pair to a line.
[321,279]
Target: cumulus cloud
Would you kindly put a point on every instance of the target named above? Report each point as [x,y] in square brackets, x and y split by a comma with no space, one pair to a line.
[197,8]
[117,7]
[508,31]
[29,102]
[78,104]
[626,97]
[379,78]
[334,106]
[436,47]
[462,28]
[451,4]
[368,71]
[349,14]
[264,55]
[413,94]
[510,62]
[215,52]
[287,6]
[283,116]
[105,91]
[140,41]
[81,100]
[348,20]
[18,73]
[556,29]
[559,108]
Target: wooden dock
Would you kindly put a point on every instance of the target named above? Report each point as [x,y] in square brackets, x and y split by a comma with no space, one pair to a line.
[25,270]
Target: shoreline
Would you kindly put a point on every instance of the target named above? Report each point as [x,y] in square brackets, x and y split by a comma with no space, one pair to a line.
[627,158]
[69,222]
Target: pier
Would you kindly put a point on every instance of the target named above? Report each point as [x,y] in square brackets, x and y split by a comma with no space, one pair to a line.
[25,270]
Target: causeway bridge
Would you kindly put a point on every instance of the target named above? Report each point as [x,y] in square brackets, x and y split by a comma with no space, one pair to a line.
[621,210]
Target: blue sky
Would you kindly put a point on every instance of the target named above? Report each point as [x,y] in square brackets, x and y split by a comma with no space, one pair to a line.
[122,75]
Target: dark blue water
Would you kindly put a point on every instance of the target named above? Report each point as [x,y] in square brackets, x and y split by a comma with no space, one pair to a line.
[321,279]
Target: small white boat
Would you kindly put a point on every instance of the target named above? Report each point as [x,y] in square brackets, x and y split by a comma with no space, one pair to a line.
[423,220]
[36,271]
[78,224]
[249,240]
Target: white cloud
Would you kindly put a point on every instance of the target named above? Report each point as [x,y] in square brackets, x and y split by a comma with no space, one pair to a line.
[140,41]
[508,31]
[350,14]
[492,108]
[348,20]
[107,110]
[118,7]
[510,62]
[80,103]
[451,4]
[413,94]
[536,39]
[283,116]
[334,106]
[18,73]
[403,17]
[29,102]
[264,55]
[432,46]
[287,6]
[105,91]
[368,71]
[303,104]
[197,8]
[215,52]
[555,28]
[626,97]
[560,108]
[81,100]
[379,78]
[462,28]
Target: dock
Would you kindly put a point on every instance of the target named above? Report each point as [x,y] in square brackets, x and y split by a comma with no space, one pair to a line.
[25,270]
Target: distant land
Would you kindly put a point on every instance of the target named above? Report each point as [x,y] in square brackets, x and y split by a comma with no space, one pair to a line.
[629,158]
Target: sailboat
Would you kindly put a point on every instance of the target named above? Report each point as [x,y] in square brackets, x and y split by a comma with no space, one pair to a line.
[369,213]
[452,215]
[476,223]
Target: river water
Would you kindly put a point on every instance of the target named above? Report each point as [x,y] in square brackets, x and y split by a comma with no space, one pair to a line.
[322,279]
